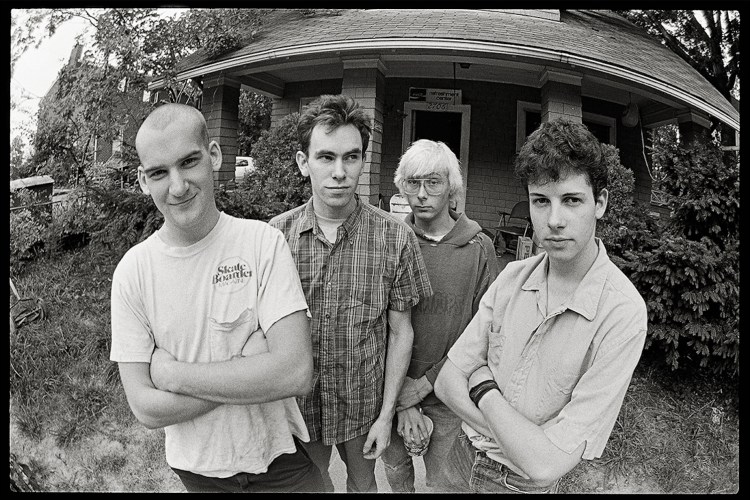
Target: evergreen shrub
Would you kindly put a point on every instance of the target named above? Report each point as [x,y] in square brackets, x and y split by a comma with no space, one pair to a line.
[687,267]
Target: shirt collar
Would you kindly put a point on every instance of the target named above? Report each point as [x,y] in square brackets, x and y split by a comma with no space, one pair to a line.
[585,299]
[308,221]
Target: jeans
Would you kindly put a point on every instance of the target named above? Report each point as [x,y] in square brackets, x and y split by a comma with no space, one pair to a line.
[360,471]
[399,466]
[469,470]
[293,472]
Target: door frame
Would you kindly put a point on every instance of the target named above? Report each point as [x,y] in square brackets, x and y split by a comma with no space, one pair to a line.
[407,134]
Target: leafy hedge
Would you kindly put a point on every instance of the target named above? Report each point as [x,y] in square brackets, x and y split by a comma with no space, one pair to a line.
[687,267]
[113,218]
[276,185]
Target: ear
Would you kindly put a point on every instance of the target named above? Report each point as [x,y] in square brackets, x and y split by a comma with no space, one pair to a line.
[301,159]
[142,180]
[601,203]
[214,151]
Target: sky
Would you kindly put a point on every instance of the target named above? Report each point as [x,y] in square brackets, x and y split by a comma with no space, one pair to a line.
[36,70]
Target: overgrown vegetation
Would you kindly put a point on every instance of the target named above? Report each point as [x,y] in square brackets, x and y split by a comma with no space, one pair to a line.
[686,268]
[677,432]
[276,185]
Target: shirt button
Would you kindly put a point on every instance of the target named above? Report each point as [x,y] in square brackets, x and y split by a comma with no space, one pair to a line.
[328,315]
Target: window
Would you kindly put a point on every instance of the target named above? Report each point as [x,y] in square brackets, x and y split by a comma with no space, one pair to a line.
[529,117]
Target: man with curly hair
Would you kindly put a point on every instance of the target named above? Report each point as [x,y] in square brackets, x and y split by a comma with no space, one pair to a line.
[539,375]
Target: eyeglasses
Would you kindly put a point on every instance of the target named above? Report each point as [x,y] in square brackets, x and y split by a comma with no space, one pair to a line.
[432,186]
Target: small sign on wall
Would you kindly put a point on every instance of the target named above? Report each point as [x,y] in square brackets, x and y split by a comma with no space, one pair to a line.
[438,96]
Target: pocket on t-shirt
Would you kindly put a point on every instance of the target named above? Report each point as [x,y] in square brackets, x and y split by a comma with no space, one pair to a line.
[228,336]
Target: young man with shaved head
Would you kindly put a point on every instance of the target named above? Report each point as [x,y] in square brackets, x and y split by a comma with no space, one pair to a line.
[209,325]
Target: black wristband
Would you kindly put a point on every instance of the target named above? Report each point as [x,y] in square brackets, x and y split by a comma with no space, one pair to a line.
[478,391]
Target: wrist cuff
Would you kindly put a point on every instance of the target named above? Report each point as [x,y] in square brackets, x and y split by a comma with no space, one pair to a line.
[478,391]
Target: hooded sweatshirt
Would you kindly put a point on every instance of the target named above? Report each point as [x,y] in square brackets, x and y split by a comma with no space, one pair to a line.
[461,267]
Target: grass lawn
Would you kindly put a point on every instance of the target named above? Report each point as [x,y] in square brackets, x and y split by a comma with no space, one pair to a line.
[678,432]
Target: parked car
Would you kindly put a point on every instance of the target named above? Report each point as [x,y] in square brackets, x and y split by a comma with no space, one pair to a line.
[242,165]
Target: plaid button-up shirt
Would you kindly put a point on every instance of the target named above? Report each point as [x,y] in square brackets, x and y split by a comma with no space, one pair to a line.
[374,265]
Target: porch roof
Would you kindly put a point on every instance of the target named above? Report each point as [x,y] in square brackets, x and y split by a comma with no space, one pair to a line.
[598,43]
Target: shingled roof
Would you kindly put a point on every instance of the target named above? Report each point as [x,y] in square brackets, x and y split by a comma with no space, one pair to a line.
[596,41]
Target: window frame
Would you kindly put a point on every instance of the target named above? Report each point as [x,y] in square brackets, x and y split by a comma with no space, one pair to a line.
[522,107]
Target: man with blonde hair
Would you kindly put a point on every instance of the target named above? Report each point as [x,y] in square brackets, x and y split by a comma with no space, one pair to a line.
[461,264]
[209,325]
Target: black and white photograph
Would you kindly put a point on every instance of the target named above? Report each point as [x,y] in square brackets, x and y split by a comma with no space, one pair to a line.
[374,250]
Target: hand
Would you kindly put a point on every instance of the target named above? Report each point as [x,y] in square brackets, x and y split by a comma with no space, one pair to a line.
[160,363]
[411,426]
[480,375]
[378,438]
[413,391]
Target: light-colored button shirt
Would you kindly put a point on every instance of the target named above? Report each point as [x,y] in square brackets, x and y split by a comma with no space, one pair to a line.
[567,369]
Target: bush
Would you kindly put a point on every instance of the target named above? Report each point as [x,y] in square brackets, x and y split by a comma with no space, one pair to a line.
[27,227]
[686,269]
[624,227]
[276,185]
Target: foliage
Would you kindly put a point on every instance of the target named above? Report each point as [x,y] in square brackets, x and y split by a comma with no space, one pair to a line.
[27,227]
[16,158]
[218,31]
[255,117]
[276,185]
[623,227]
[113,219]
[704,191]
[713,50]
[97,96]
[687,269]
[708,40]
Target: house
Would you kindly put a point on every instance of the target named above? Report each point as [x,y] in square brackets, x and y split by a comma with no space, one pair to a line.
[480,80]
[105,147]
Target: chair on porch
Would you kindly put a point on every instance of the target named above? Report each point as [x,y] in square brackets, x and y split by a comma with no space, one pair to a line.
[512,225]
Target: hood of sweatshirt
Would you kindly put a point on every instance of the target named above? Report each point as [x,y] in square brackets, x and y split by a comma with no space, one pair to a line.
[463,230]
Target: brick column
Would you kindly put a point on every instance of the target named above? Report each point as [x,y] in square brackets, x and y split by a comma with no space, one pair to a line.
[561,95]
[364,80]
[692,126]
[221,102]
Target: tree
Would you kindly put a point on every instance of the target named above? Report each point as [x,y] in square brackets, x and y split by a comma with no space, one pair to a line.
[712,47]
[95,98]
[16,157]
[708,40]
[255,117]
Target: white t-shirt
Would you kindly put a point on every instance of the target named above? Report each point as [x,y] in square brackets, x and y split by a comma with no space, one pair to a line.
[203,303]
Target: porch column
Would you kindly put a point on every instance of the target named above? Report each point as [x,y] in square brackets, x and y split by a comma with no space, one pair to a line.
[561,95]
[364,81]
[693,126]
[221,103]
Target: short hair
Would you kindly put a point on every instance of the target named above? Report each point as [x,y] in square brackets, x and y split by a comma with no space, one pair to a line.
[166,114]
[333,111]
[559,148]
[425,157]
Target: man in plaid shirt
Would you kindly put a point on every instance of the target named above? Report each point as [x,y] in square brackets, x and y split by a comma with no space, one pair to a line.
[362,271]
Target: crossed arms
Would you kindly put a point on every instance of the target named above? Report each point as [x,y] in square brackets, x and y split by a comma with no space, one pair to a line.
[166,391]
[522,441]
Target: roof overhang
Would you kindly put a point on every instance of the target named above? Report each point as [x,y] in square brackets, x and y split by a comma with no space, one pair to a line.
[338,49]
